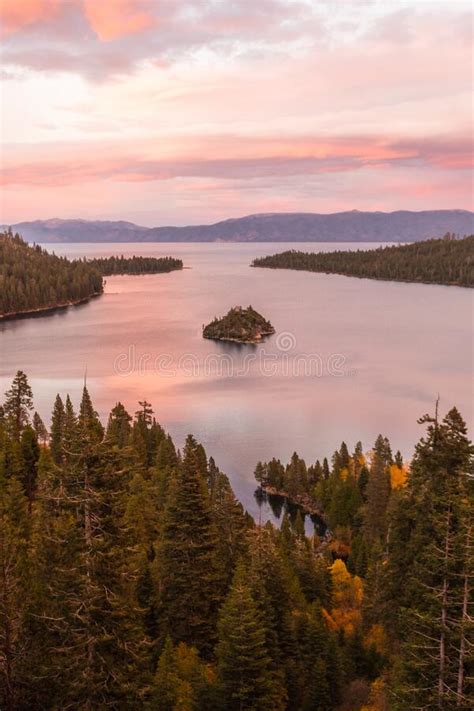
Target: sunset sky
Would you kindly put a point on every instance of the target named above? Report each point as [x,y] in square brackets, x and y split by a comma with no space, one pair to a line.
[190,111]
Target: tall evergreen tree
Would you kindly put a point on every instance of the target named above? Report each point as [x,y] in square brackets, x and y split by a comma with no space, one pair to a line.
[30,453]
[191,584]
[432,561]
[182,682]
[94,631]
[88,419]
[57,425]
[378,490]
[229,520]
[118,427]
[71,434]
[243,662]
[14,585]
[17,405]
[39,428]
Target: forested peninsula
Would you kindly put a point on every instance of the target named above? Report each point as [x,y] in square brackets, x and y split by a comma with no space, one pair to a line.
[448,261]
[32,281]
[109,266]
[132,578]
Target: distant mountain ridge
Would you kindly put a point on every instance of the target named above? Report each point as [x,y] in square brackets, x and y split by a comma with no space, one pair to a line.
[352,226]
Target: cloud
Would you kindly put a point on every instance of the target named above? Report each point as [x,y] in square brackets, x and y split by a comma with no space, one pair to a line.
[141,30]
[16,15]
[118,18]
[449,152]
[237,160]
[220,105]
[139,170]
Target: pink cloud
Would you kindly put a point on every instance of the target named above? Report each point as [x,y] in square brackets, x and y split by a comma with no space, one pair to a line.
[245,159]
[199,200]
[113,19]
[138,170]
[235,104]
[15,15]
[452,152]
[93,26]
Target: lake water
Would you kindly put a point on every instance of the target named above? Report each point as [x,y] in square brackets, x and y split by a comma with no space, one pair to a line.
[350,357]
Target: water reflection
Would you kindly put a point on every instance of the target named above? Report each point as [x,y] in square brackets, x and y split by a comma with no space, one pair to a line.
[281,505]
[241,407]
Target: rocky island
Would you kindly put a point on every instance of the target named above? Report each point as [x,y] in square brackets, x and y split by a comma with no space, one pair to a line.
[239,325]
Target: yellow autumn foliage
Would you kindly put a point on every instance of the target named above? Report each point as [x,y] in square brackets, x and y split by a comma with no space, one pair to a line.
[347,588]
[347,598]
[344,473]
[398,476]
[378,698]
[376,637]
[340,619]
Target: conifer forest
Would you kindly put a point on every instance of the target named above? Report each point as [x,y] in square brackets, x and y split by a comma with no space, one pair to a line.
[131,576]
[448,261]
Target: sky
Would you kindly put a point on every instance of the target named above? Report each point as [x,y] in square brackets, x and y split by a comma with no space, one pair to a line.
[191,111]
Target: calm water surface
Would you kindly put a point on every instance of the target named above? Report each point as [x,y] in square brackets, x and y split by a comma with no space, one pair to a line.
[350,357]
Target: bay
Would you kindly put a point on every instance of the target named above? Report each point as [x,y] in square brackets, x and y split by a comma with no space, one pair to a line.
[350,358]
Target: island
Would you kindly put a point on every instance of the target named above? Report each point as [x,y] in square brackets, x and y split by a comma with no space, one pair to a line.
[239,325]
[448,261]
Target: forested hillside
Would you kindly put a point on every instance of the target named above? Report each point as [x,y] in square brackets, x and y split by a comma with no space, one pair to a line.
[132,578]
[108,266]
[33,280]
[447,261]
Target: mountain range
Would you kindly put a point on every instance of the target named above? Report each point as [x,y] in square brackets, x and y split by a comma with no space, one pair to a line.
[351,226]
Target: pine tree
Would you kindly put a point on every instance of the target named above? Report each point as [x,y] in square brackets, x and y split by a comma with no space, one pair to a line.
[298,525]
[319,669]
[242,657]
[191,584]
[182,682]
[146,434]
[166,465]
[229,520]
[18,403]
[93,624]
[30,452]
[57,424]
[325,468]
[378,490]
[433,554]
[318,693]
[345,501]
[118,427]
[70,434]
[39,428]
[88,419]
[14,586]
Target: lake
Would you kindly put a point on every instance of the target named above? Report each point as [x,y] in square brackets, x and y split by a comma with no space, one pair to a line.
[350,358]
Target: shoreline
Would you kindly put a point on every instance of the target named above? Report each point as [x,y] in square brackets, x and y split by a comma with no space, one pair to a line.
[251,342]
[166,271]
[31,313]
[369,278]
[304,501]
